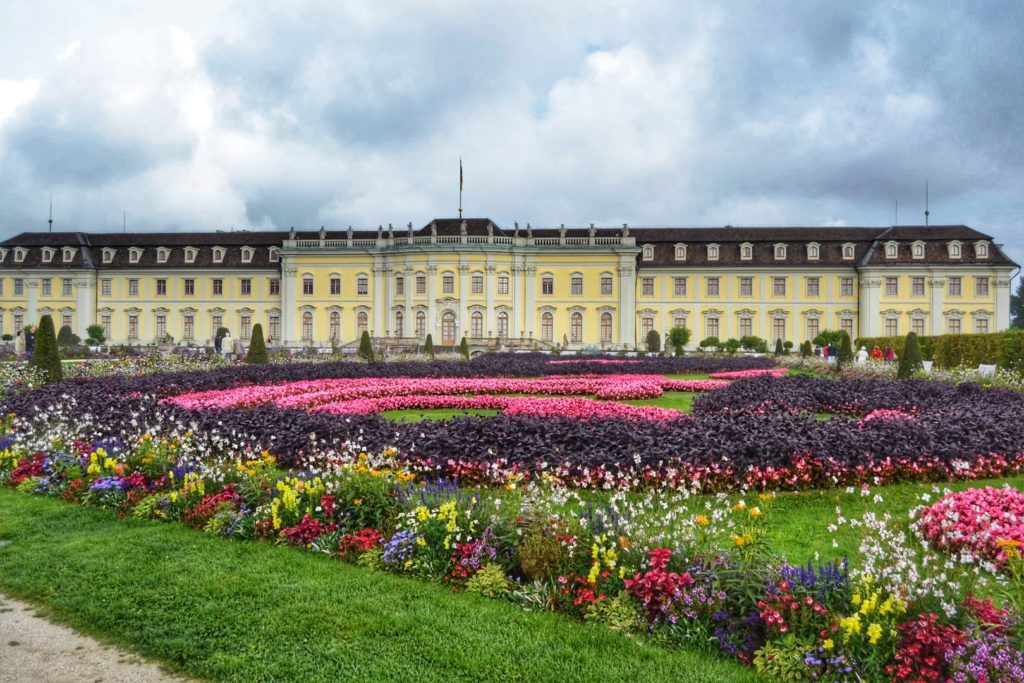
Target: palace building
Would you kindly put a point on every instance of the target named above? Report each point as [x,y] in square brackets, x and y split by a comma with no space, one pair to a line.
[517,287]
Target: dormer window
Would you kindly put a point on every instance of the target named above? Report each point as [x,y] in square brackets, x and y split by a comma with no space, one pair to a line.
[134,254]
[746,251]
[190,254]
[108,254]
[19,254]
[680,252]
[648,252]
[69,254]
[892,249]
[813,251]
[275,255]
[247,253]
[981,249]
[954,249]
[712,252]
[3,253]
[162,253]
[47,254]
[848,252]
[780,252]
[917,249]
[218,254]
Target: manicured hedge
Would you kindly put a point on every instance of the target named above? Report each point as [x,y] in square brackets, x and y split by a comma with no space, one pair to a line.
[1005,349]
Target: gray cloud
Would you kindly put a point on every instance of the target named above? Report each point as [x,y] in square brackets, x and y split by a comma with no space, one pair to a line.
[658,113]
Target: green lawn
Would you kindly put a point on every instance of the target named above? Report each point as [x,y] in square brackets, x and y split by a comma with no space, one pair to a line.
[674,400]
[435,414]
[224,610]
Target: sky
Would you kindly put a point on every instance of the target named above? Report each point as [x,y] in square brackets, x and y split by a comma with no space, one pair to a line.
[217,114]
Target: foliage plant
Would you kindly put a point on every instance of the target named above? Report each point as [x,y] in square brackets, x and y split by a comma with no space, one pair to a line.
[428,346]
[678,338]
[365,346]
[464,348]
[779,350]
[653,342]
[96,334]
[910,358]
[46,356]
[257,354]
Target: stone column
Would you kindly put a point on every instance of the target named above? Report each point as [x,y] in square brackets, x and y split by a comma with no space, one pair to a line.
[627,301]
[516,322]
[869,305]
[379,302]
[288,304]
[410,284]
[32,314]
[85,305]
[936,286]
[463,328]
[432,326]
[492,287]
[531,306]
[1002,304]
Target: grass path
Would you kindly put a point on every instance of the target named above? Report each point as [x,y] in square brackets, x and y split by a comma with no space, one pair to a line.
[224,610]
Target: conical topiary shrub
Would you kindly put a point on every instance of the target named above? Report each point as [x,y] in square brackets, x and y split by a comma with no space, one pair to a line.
[428,346]
[46,356]
[464,348]
[778,347]
[910,360]
[845,356]
[365,346]
[257,347]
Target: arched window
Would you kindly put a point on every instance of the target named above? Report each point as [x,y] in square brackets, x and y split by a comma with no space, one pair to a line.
[576,328]
[502,325]
[746,252]
[477,325]
[421,324]
[307,326]
[648,252]
[606,328]
[918,250]
[335,326]
[361,322]
[712,252]
[448,328]
[399,324]
[847,251]
[547,327]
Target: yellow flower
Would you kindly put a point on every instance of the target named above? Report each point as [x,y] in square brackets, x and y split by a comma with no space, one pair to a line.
[755,512]
[624,542]
[702,520]
[741,540]
[1007,543]
[850,625]
[357,501]
[739,506]
[828,644]
[767,495]
[874,633]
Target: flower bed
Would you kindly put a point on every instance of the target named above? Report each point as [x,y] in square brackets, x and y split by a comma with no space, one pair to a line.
[985,523]
[665,564]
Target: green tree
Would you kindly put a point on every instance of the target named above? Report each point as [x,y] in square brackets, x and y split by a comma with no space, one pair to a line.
[678,338]
[845,356]
[910,359]
[257,347]
[710,343]
[65,336]
[778,347]
[365,346]
[1017,306]
[752,342]
[46,356]
[653,341]
[806,350]
[95,333]
[464,348]
[732,346]
[428,346]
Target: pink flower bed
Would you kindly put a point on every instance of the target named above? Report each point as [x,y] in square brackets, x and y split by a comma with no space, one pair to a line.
[512,405]
[743,374]
[975,520]
[887,415]
[320,392]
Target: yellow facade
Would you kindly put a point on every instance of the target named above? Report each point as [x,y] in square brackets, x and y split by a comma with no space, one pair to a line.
[578,289]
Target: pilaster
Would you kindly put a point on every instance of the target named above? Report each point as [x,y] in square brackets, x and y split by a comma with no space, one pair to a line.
[1002,304]
[290,336]
[936,289]
[627,301]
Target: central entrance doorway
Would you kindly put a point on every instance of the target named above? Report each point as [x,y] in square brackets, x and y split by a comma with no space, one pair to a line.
[448,329]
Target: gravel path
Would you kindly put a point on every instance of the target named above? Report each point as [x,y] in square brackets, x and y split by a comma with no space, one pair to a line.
[33,649]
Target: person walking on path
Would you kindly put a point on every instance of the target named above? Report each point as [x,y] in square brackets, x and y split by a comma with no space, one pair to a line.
[19,344]
[30,341]
[239,349]
[225,345]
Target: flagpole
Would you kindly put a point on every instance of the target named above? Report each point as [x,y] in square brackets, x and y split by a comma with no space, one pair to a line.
[460,187]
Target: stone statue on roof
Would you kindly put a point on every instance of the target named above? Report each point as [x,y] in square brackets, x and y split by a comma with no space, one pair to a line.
[410,229]
[380,232]
[593,230]
[391,232]
[561,230]
[462,228]
[433,228]
[349,232]
[516,233]
[490,229]
[529,231]
[323,232]
[291,233]
[625,230]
